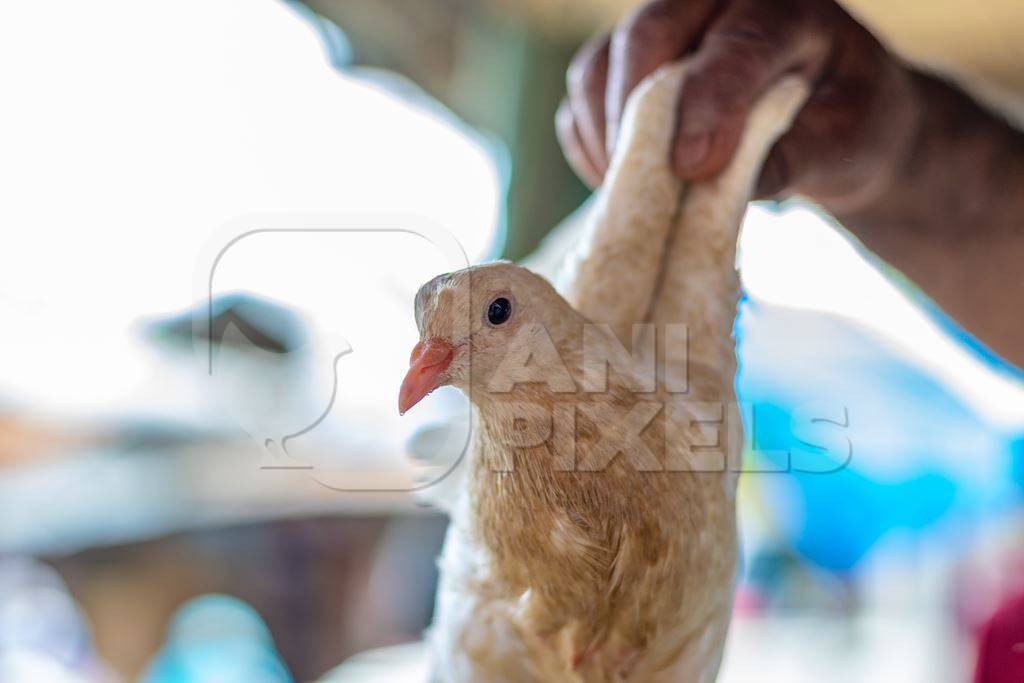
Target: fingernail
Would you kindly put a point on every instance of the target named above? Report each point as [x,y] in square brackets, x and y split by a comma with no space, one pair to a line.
[691,150]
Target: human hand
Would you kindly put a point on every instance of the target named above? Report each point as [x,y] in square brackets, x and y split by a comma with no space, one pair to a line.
[845,146]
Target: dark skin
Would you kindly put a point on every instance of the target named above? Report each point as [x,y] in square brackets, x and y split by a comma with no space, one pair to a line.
[926,178]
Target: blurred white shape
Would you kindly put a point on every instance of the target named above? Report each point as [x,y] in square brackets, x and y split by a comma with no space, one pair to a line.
[132,131]
[398,664]
[29,667]
[43,633]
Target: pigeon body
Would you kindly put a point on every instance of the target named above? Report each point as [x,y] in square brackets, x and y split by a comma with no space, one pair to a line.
[595,538]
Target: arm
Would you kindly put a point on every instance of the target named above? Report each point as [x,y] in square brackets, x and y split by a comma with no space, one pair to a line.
[952,217]
[926,178]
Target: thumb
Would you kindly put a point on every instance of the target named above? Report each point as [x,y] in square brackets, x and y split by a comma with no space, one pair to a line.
[740,56]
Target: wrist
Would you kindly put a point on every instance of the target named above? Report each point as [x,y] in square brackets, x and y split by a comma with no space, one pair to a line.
[893,135]
[961,169]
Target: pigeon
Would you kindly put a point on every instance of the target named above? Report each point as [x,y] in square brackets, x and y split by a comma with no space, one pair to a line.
[594,538]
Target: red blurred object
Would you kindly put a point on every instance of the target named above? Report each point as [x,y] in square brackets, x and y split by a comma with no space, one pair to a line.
[1001,646]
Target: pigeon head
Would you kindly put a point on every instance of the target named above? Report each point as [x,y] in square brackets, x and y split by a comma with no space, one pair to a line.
[473,320]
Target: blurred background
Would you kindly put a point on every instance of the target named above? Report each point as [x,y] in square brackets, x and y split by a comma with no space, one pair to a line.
[216,214]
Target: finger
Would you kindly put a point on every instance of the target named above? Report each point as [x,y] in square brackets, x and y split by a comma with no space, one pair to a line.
[746,49]
[826,149]
[775,172]
[659,32]
[826,152]
[822,127]
[585,83]
[572,146]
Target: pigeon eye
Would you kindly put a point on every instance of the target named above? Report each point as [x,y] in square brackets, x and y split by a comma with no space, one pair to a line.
[499,311]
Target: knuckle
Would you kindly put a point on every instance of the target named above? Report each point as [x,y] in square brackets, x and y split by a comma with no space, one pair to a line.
[749,34]
[564,125]
[651,22]
[751,39]
[739,74]
[583,70]
[711,96]
[563,115]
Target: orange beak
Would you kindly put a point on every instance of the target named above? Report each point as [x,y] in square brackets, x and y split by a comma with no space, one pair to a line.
[430,358]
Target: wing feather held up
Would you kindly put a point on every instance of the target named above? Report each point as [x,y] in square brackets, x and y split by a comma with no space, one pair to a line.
[660,250]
